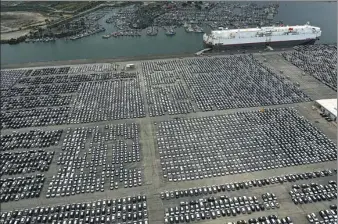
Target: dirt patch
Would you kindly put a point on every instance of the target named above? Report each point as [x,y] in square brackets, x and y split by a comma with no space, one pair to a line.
[69,6]
[14,34]
[13,21]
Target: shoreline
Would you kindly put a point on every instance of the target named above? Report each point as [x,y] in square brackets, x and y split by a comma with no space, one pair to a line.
[133,58]
[93,61]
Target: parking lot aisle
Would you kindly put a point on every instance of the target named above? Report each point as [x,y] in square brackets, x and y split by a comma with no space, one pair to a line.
[307,83]
[151,171]
[143,89]
[148,155]
[155,208]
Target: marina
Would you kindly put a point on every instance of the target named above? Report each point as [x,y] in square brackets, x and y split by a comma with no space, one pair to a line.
[169,31]
[122,33]
[127,19]
[47,39]
[100,48]
[86,34]
[152,31]
[193,28]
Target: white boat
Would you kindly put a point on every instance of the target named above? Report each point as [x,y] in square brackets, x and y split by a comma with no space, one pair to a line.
[198,29]
[274,36]
[189,29]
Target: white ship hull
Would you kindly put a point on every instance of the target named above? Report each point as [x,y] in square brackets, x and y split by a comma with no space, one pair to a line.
[261,45]
[262,37]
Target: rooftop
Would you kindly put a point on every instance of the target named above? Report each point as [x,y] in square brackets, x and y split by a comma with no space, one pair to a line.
[329,104]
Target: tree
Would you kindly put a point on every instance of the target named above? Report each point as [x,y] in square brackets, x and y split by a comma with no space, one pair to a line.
[82,22]
[40,31]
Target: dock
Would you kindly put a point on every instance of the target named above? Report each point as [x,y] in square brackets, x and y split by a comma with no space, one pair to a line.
[269,48]
[202,51]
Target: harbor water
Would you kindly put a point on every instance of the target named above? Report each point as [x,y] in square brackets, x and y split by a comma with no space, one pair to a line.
[322,14]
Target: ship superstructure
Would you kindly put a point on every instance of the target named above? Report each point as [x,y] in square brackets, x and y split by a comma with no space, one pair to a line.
[264,36]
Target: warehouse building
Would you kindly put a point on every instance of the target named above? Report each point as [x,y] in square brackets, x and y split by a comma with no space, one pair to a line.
[328,107]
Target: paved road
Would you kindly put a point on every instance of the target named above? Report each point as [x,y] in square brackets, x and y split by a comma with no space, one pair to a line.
[132,59]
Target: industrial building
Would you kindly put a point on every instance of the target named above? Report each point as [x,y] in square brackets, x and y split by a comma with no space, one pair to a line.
[328,108]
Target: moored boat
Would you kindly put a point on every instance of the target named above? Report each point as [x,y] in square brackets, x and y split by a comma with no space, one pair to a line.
[170,32]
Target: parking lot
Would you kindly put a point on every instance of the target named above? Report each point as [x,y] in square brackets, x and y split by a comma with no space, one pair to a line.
[317,60]
[217,83]
[99,135]
[245,142]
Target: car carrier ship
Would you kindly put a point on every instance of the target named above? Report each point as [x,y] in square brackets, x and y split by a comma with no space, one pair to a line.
[273,36]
